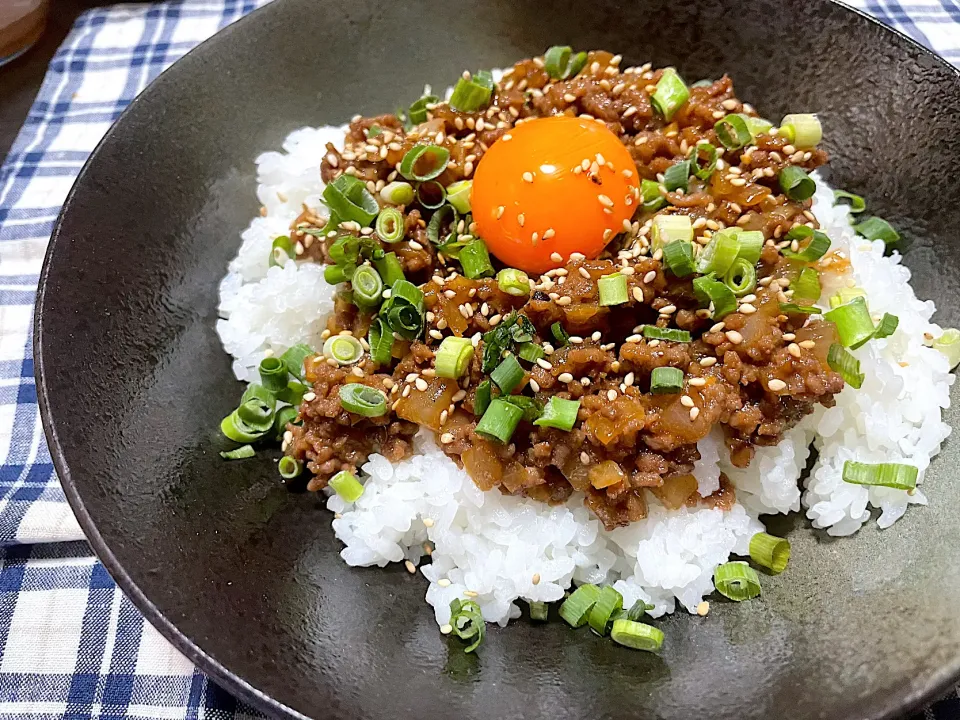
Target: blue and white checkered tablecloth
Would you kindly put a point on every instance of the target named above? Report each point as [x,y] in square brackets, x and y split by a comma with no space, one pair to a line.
[71,644]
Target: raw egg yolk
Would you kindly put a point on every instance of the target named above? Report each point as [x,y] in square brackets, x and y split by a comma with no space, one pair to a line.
[551,187]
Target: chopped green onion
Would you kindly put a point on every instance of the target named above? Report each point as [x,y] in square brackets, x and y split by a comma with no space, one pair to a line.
[453,357]
[559,334]
[473,94]
[807,285]
[874,228]
[499,421]
[374,130]
[733,131]
[846,365]
[367,287]
[281,251]
[418,111]
[608,602]
[334,274]
[423,162]
[561,64]
[751,245]
[293,393]
[652,332]
[273,374]
[529,351]
[390,225]
[284,417]
[949,344]
[241,453]
[796,309]
[348,199]
[532,408]
[405,320]
[891,475]
[770,552]
[363,400]
[476,260]
[854,325]
[677,176]
[289,467]
[389,268]
[559,413]
[678,257]
[613,289]
[718,255]
[638,610]
[650,195]
[467,622]
[803,130]
[346,485]
[757,125]
[741,278]
[857,203]
[444,216]
[431,194]
[481,398]
[636,635]
[345,250]
[737,581]
[381,340]
[397,193]
[845,295]
[667,228]
[458,195]
[345,349]
[796,184]
[710,291]
[251,421]
[886,327]
[513,282]
[259,392]
[815,249]
[408,293]
[703,171]
[539,610]
[670,94]
[666,380]
[576,608]
[237,430]
[508,374]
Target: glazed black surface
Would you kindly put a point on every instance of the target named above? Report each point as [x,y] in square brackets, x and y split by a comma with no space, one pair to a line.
[245,577]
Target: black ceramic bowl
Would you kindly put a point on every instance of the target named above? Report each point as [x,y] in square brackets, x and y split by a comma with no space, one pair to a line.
[244,577]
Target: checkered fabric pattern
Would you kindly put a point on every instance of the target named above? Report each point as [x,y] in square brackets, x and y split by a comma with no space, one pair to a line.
[71,644]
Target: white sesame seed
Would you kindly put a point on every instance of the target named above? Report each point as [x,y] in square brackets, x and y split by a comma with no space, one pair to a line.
[534,385]
[794,349]
[584,458]
[411,568]
[686,401]
[776,385]
[406,391]
[734,337]
[808,344]
[470,593]
[421,384]
[789,337]
[708,361]
[668,310]
[446,438]
[694,413]
[544,364]
[611,395]
[536,579]
[747,309]
[564,300]
[310,396]
[528,177]
[605,201]
[557,257]
[448,628]
[576,340]
[717,327]
[637,294]
[697,382]
[703,608]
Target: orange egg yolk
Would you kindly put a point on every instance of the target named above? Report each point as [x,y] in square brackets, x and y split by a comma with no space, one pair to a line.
[552,187]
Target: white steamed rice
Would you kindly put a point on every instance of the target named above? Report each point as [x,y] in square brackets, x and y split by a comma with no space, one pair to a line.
[497,545]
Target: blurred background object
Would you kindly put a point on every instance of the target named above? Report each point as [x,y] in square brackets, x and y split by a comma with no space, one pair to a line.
[21,24]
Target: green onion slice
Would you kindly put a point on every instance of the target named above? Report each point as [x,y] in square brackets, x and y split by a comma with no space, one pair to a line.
[467,622]
[561,64]
[803,130]
[719,253]
[345,349]
[513,282]
[807,285]
[539,610]
[706,170]
[380,339]
[285,416]
[390,227]
[671,93]
[677,176]
[796,184]
[289,467]
[458,195]
[757,125]
[529,351]
[443,217]
[891,475]
[874,228]
[431,194]
[668,228]
[256,413]
[476,260]
[857,203]
[845,295]
[666,380]
[499,421]
[508,374]
[273,374]
[424,162]
[453,357]
[733,131]
[532,408]
[652,332]
[737,581]
[853,321]
[348,198]
[741,278]
[559,413]
[259,392]
[608,602]
[293,393]
[281,251]
[949,344]
[576,608]
[481,398]
[363,400]
[405,320]
[886,327]
[678,257]
[418,111]
[346,485]
[751,245]
[710,291]
[241,453]
[636,635]
[613,289]
[770,552]
[638,610]
[796,309]
[334,274]
[846,365]
[367,287]
[397,193]
[816,247]
[389,268]
[473,94]
[559,334]
[650,195]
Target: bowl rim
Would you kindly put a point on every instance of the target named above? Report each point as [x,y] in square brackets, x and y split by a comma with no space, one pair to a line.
[937,685]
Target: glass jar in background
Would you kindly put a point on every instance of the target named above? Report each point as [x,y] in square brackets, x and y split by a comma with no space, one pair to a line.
[21,24]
